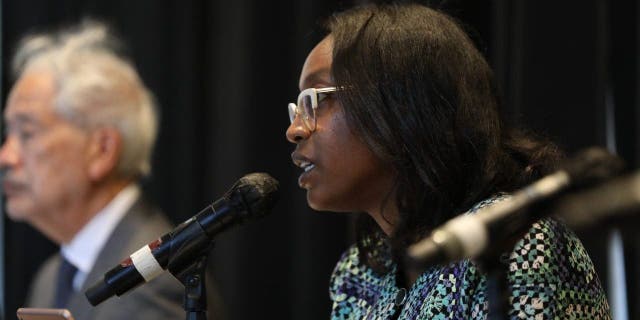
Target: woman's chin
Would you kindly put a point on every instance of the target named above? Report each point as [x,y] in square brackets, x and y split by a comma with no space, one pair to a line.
[316,201]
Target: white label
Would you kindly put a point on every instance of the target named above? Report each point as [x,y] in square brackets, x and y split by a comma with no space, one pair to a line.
[146,263]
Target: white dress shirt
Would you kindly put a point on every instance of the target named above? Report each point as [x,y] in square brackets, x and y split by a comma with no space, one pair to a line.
[84,248]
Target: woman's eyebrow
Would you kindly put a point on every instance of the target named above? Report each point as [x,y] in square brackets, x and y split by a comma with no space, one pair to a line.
[320,76]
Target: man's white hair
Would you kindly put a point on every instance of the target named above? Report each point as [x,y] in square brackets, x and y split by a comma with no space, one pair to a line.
[96,87]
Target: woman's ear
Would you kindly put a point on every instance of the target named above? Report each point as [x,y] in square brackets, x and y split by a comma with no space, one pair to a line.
[105,152]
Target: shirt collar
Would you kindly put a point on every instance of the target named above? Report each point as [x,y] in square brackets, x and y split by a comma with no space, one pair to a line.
[83,249]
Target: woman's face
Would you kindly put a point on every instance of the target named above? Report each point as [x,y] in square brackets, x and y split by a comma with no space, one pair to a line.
[344,174]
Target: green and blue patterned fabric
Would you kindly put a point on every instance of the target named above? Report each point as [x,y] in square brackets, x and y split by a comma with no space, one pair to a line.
[549,275]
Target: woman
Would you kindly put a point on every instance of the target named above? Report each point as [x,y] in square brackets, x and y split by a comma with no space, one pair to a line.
[398,119]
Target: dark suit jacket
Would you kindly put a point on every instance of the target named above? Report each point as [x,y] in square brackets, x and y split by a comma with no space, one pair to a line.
[159,299]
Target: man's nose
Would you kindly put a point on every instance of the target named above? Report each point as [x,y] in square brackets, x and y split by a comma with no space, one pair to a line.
[9,153]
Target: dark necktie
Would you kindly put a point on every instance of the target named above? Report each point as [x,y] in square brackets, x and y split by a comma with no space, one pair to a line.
[64,284]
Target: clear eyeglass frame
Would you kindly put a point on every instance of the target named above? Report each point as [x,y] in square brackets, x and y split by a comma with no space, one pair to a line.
[308,101]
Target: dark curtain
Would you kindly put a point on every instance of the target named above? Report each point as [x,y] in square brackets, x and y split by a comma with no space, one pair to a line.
[223,72]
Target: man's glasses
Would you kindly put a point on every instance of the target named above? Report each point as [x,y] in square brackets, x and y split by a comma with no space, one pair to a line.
[308,101]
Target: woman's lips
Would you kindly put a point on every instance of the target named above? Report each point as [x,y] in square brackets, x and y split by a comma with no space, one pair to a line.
[303,180]
[306,165]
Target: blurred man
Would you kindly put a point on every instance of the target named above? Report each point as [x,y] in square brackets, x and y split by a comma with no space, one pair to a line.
[81,126]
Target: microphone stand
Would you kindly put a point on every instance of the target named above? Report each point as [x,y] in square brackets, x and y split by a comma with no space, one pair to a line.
[496,271]
[497,290]
[195,293]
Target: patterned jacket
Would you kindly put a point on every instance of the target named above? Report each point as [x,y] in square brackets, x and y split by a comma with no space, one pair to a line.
[549,275]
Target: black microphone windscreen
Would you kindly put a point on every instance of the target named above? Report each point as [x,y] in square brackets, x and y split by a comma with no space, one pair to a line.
[258,193]
[592,165]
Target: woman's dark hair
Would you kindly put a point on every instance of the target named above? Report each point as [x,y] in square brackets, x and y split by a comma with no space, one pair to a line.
[424,100]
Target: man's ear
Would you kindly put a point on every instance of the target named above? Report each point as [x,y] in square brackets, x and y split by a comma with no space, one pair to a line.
[105,151]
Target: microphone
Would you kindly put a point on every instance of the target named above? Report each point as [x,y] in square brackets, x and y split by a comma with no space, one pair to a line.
[253,196]
[493,228]
[614,202]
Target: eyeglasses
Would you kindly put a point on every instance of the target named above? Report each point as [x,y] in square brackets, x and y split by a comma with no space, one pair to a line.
[308,101]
